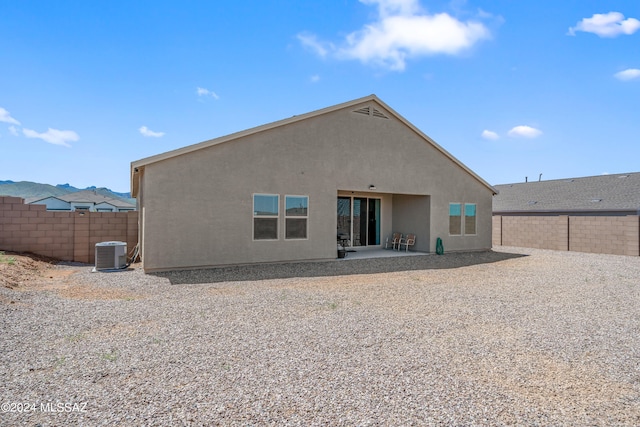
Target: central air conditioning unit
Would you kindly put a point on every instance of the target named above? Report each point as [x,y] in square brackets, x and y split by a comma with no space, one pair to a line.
[111,255]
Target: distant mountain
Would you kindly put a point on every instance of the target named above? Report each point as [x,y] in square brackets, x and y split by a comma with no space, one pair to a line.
[26,189]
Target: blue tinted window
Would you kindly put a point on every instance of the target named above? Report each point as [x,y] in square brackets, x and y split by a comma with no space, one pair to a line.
[296,205]
[469,210]
[265,204]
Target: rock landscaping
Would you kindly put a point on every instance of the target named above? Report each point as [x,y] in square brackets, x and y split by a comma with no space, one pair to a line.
[509,337]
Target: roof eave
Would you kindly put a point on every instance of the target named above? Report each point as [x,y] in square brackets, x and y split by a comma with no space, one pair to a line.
[135,180]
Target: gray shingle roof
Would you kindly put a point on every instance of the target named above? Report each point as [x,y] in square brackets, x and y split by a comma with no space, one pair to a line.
[615,193]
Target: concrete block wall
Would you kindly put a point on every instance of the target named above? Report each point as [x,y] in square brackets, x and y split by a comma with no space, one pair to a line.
[30,228]
[496,230]
[607,235]
[542,232]
[68,236]
[619,235]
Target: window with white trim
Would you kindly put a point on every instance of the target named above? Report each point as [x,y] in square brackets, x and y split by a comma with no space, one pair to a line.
[296,217]
[469,218]
[265,216]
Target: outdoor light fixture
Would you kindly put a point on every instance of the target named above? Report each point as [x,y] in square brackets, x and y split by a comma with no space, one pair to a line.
[372,187]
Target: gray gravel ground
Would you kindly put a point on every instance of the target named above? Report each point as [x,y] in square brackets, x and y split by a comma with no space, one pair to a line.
[550,338]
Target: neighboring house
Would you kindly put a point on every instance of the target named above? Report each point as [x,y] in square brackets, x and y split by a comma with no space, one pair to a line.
[589,214]
[53,203]
[88,200]
[284,191]
[610,195]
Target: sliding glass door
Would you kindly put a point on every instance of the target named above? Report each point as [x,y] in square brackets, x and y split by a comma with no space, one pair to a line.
[344,220]
[359,221]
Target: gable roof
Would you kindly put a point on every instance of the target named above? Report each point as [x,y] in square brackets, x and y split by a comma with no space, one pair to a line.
[29,200]
[137,165]
[602,193]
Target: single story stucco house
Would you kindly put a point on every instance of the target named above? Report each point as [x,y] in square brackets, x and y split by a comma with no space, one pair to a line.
[284,191]
[84,200]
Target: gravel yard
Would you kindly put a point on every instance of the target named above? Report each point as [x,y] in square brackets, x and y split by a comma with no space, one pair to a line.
[496,338]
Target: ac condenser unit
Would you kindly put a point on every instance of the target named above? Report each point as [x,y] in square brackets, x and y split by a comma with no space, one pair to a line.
[111,255]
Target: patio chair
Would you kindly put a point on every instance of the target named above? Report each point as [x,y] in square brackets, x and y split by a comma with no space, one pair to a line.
[394,240]
[407,241]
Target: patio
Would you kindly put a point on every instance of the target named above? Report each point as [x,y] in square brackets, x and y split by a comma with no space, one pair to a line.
[367,253]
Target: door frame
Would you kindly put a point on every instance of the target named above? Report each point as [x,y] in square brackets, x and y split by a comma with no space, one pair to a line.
[351,198]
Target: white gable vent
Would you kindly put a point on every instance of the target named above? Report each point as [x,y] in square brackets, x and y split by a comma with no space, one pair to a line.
[370,111]
[377,113]
[363,110]
[111,255]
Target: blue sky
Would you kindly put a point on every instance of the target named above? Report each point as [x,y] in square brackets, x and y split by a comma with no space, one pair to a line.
[512,88]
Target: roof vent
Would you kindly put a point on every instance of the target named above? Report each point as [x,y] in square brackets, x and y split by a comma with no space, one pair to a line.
[532,202]
[569,180]
[377,113]
[370,111]
[623,176]
[363,110]
[596,200]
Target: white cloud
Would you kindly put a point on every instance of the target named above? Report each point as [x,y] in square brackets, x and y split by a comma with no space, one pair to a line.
[13,130]
[630,74]
[206,92]
[400,32]
[6,117]
[525,132]
[53,136]
[395,7]
[610,24]
[490,135]
[315,78]
[311,42]
[148,132]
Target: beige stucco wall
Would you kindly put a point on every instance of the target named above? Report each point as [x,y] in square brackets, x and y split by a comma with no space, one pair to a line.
[197,207]
[411,214]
